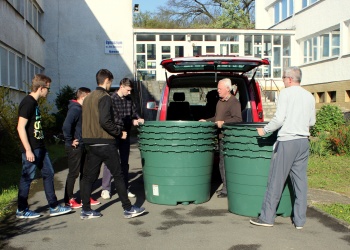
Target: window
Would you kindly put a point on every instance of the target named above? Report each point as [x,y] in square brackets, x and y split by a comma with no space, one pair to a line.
[283,9]
[179,51]
[322,47]
[34,15]
[332,96]
[210,37]
[151,52]
[18,5]
[140,48]
[197,50]
[164,37]
[231,38]
[335,43]
[3,66]
[141,61]
[308,2]
[320,97]
[210,49]
[11,69]
[165,49]
[179,37]
[196,37]
[145,37]
[347,95]
[248,45]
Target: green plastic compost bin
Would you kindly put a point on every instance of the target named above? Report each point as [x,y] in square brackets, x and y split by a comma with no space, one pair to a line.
[247,163]
[177,160]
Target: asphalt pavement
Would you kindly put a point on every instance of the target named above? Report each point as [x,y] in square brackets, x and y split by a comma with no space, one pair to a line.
[195,226]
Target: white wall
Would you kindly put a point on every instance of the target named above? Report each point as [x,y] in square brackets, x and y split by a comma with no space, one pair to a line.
[75,33]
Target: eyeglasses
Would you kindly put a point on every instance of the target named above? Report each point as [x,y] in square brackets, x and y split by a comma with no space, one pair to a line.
[283,77]
[48,88]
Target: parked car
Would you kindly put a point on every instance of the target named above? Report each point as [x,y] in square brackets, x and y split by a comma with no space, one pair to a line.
[190,91]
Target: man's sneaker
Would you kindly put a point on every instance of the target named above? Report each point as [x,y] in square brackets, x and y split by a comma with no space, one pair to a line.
[133,212]
[27,214]
[94,202]
[259,222]
[131,195]
[59,210]
[297,227]
[74,204]
[105,194]
[92,214]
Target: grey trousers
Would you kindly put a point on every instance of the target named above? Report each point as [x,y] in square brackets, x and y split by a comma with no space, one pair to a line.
[289,158]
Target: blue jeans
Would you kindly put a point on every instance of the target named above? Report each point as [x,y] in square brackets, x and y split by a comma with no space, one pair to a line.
[43,162]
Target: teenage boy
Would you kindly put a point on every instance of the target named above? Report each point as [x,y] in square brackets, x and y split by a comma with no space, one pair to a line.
[34,153]
[74,147]
[100,133]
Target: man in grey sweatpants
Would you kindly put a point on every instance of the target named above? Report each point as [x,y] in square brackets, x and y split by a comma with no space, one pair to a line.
[294,115]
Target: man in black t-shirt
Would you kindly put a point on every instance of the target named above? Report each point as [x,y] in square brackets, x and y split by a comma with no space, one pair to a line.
[34,153]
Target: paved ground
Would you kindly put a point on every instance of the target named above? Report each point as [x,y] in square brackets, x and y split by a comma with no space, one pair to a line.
[204,226]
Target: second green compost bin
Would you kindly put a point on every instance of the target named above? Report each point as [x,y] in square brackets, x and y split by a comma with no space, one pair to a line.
[177,160]
[247,162]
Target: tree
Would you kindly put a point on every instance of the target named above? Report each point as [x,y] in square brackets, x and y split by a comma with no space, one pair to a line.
[209,13]
[235,15]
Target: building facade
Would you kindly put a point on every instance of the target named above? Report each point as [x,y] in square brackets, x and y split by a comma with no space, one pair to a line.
[71,40]
[66,40]
[322,32]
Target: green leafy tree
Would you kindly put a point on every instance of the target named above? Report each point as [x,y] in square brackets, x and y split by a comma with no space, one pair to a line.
[234,16]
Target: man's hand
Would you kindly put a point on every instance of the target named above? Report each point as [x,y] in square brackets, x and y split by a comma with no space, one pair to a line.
[75,143]
[124,135]
[261,131]
[219,124]
[30,156]
[202,120]
[138,121]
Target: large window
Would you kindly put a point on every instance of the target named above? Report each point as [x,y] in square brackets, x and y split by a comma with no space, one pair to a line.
[283,9]
[322,47]
[34,15]
[11,69]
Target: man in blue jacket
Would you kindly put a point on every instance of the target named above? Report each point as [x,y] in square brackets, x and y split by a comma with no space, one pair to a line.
[74,146]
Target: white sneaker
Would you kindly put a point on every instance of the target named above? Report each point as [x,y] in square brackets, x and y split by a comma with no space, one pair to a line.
[131,195]
[105,194]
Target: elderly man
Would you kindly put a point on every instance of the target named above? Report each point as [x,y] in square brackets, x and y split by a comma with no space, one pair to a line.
[228,109]
[294,115]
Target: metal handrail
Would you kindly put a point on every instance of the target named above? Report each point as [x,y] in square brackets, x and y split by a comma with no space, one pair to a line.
[272,83]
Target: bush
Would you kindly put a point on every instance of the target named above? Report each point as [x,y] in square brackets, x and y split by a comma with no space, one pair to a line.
[328,118]
[320,145]
[340,140]
[8,127]
[62,100]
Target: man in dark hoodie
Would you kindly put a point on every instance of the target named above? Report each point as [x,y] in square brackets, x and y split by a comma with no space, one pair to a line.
[74,146]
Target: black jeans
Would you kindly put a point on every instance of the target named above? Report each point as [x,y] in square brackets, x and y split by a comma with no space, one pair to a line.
[76,160]
[95,156]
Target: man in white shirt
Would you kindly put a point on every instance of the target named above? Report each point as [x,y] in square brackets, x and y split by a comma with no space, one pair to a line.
[294,115]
